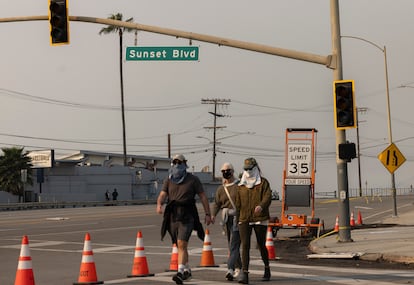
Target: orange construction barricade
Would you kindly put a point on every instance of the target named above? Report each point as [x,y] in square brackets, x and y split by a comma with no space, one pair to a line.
[352,220]
[24,274]
[140,266]
[270,245]
[336,229]
[359,218]
[174,259]
[87,272]
[207,257]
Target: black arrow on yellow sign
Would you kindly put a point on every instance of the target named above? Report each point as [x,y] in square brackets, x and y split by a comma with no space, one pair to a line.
[391,158]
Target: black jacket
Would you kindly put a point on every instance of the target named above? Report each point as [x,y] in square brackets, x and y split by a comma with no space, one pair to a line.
[180,212]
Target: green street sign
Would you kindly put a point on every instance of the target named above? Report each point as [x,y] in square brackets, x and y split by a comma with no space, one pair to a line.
[187,53]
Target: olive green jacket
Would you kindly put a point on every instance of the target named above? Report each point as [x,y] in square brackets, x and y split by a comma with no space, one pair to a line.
[247,199]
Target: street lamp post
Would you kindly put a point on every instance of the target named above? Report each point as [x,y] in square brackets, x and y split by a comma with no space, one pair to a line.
[384,51]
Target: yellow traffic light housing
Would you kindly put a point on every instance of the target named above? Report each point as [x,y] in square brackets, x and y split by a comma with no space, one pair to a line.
[344,104]
[59,22]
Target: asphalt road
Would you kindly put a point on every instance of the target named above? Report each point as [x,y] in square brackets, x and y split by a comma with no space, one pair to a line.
[56,239]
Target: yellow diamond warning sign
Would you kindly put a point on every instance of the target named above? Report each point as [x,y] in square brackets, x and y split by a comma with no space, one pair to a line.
[391,158]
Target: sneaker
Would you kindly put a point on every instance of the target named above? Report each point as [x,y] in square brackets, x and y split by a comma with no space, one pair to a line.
[187,275]
[236,272]
[229,276]
[244,277]
[178,278]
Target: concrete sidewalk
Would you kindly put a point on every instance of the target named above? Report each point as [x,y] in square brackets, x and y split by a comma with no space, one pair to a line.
[393,243]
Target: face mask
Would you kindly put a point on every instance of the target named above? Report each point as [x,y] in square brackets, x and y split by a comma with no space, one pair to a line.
[227,175]
[178,170]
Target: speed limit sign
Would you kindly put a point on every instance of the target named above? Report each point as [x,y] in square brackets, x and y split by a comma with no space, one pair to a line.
[299,161]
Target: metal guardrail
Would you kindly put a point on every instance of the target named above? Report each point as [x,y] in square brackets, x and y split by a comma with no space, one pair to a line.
[367,192]
[54,205]
[374,192]
[331,194]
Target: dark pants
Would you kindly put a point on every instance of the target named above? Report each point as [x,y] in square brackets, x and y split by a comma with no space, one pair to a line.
[245,233]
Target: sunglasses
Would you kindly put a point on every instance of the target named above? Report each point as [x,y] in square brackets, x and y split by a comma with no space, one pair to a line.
[176,161]
[226,171]
[248,168]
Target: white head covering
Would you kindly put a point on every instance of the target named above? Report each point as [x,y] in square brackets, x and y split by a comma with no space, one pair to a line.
[250,178]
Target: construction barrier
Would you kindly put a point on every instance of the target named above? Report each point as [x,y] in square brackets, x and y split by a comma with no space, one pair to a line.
[270,244]
[87,272]
[336,229]
[174,259]
[352,221]
[24,274]
[207,257]
[140,265]
[359,218]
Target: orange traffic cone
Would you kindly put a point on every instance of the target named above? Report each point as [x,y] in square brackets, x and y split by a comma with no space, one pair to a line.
[359,218]
[140,266]
[352,221]
[336,229]
[87,272]
[174,259]
[24,274]
[207,258]
[270,244]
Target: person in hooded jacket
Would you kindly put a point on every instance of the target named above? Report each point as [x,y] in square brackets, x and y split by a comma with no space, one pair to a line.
[253,200]
[180,214]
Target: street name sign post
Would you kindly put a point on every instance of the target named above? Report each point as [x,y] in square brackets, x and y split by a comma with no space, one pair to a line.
[187,53]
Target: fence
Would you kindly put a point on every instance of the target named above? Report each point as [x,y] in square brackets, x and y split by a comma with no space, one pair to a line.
[369,192]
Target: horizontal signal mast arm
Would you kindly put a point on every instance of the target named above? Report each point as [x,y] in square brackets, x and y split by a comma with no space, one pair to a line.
[329,60]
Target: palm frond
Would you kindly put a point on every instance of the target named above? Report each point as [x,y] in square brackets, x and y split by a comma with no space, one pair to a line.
[115,29]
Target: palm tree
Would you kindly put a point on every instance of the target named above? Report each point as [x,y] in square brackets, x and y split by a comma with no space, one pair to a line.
[12,162]
[120,31]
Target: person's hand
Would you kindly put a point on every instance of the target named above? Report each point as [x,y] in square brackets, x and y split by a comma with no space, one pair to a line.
[159,209]
[258,210]
[208,220]
[213,219]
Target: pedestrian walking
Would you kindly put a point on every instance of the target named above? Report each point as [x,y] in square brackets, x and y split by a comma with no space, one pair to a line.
[225,201]
[252,202]
[180,214]
[115,195]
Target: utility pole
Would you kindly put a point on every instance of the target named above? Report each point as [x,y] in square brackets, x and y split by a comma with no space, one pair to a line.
[362,110]
[216,102]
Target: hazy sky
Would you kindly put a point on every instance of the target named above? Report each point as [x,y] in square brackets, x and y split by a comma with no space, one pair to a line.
[68,97]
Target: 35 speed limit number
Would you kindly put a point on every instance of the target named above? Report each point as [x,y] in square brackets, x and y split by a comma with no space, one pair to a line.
[299,161]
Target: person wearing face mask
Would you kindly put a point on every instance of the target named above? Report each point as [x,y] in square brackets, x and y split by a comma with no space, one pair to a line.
[252,202]
[180,214]
[225,201]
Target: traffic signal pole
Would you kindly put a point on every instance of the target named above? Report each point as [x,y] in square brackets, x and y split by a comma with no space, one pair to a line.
[342,168]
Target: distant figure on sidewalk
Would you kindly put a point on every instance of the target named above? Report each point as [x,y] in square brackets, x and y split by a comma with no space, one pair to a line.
[115,195]
[107,198]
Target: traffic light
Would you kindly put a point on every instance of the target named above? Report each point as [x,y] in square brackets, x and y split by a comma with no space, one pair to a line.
[344,100]
[59,22]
